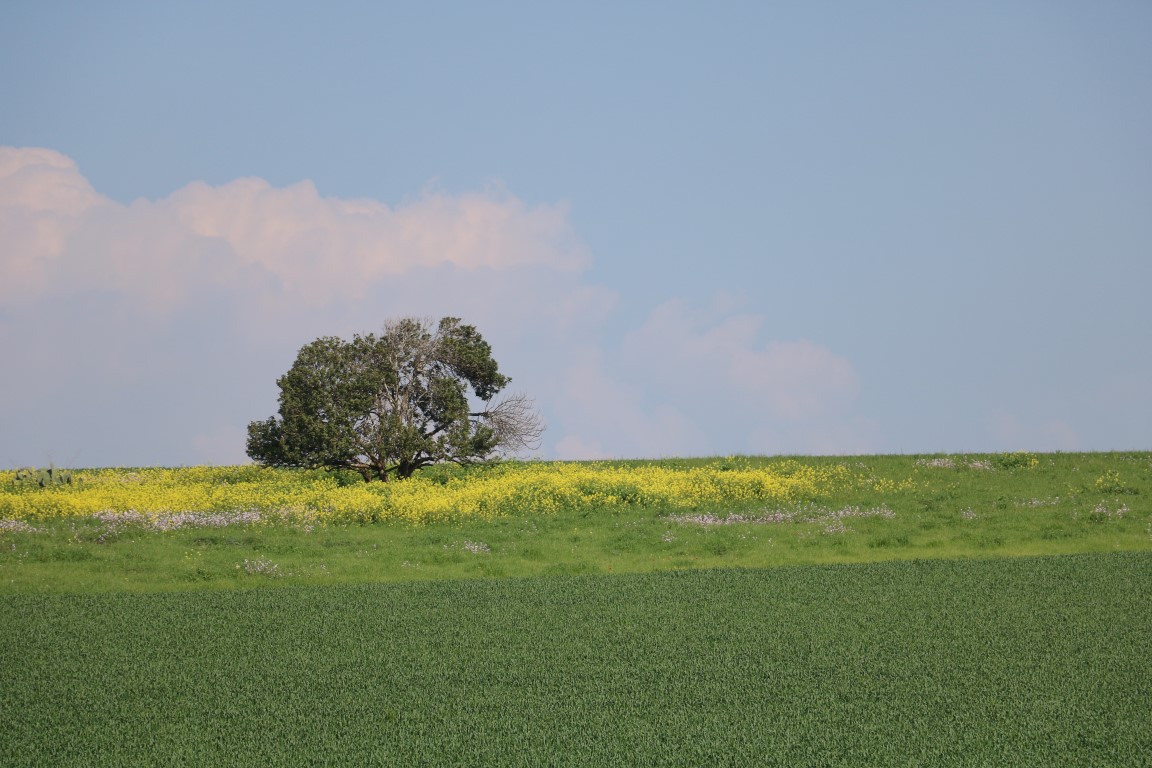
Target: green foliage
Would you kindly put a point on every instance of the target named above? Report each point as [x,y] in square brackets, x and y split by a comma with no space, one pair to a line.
[1017,460]
[1037,661]
[1111,482]
[42,478]
[391,404]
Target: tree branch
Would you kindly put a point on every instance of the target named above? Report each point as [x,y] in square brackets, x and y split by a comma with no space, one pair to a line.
[516,422]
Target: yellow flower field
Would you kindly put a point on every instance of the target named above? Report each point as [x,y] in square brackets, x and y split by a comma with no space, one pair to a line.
[512,488]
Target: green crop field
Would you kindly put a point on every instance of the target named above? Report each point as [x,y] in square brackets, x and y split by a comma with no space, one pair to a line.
[898,610]
[1028,661]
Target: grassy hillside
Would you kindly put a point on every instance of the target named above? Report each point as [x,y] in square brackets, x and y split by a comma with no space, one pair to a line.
[194,528]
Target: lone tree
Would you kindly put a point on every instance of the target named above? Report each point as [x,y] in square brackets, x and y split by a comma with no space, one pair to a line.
[390,404]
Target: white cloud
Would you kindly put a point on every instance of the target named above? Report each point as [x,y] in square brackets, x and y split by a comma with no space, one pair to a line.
[716,358]
[604,416]
[42,180]
[325,248]
[42,199]
[795,380]
[153,332]
[279,245]
[693,382]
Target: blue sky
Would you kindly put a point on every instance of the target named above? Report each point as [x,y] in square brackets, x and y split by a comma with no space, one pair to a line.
[686,229]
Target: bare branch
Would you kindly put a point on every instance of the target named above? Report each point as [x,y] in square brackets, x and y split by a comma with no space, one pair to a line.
[516,422]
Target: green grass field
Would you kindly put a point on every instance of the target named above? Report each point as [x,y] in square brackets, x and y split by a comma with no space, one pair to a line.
[1025,661]
[872,509]
[963,610]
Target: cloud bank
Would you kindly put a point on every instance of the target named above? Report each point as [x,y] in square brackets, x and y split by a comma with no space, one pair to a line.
[151,333]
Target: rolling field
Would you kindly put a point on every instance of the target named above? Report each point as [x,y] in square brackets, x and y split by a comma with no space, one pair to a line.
[1026,661]
[936,610]
[228,527]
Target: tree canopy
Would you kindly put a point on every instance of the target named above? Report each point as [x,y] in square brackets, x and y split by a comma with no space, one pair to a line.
[386,405]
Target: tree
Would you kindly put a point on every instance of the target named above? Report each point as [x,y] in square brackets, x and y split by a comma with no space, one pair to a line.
[390,404]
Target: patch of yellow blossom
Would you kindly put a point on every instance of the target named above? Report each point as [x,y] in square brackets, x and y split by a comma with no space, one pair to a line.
[512,488]
[888,485]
